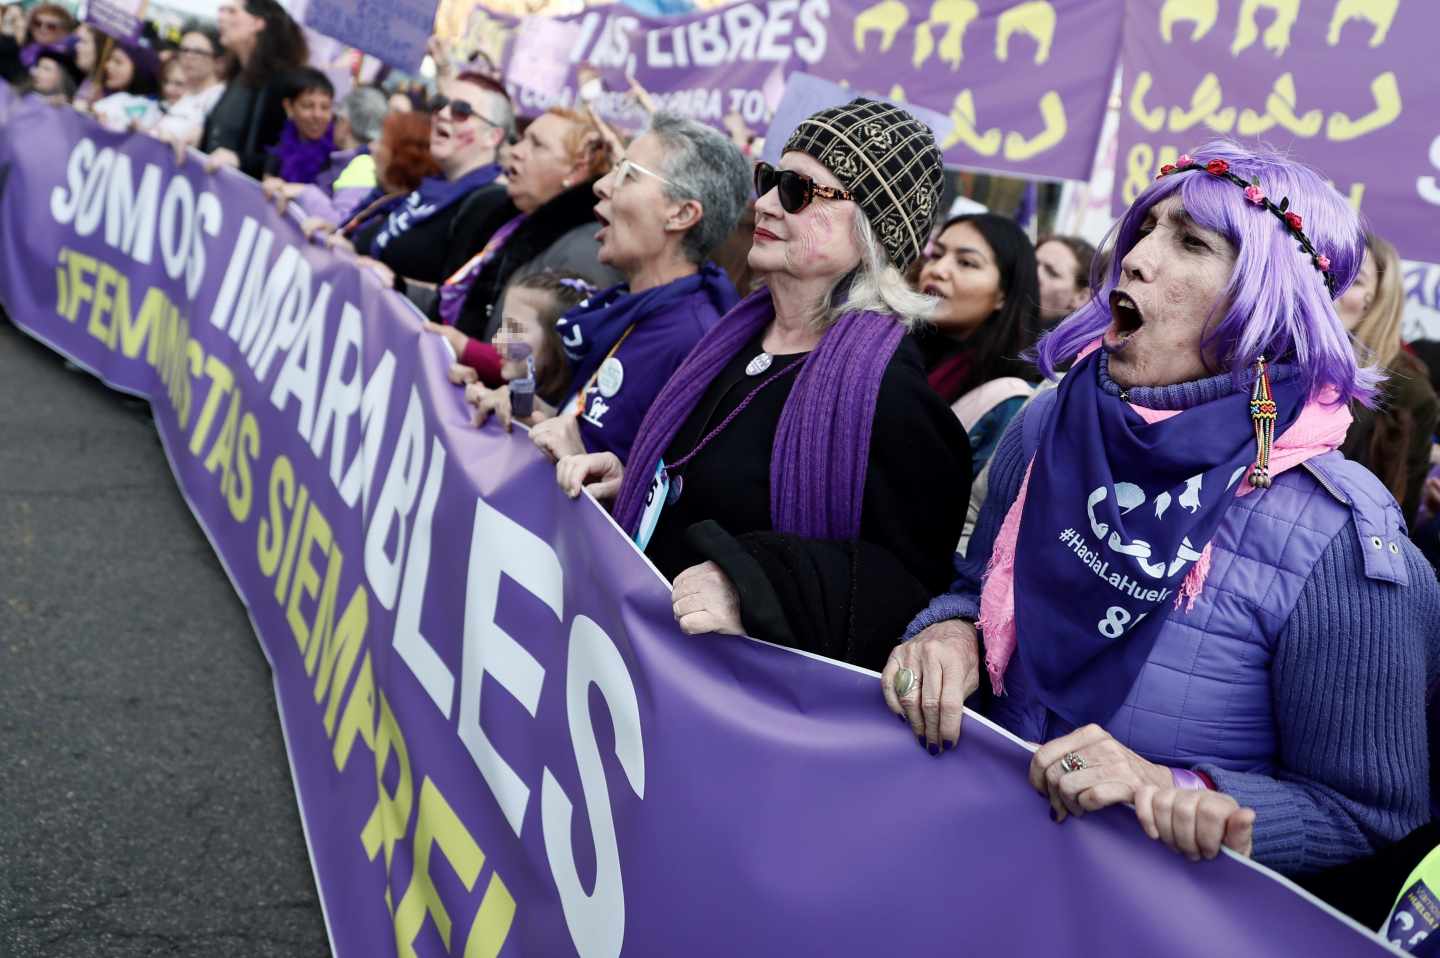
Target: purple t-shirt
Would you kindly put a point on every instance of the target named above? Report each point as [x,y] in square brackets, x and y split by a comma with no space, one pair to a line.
[620,393]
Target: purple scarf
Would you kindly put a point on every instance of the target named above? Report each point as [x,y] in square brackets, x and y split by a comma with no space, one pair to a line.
[302,160]
[822,444]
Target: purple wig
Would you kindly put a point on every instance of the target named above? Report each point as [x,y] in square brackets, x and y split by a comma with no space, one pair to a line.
[1279,306]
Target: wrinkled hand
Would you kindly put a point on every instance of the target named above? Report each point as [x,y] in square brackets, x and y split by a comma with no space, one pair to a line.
[1430,497]
[489,402]
[462,375]
[704,600]
[451,335]
[221,157]
[316,227]
[385,273]
[945,658]
[1195,822]
[559,437]
[1112,774]
[598,473]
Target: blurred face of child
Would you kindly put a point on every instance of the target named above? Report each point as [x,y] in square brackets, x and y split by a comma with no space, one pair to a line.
[311,112]
[45,77]
[173,87]
[520,334]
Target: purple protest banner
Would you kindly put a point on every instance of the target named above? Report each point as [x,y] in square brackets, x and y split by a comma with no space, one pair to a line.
[393,31]
[1024,80]
[1349,88]
[121,19]
[501,743]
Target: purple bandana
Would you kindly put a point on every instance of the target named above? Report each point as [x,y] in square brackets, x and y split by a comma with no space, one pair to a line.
[1116,512]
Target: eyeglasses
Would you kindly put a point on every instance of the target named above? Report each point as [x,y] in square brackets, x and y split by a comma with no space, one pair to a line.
[796,190]
[460,110]
[624,168]
[43,24]
[195,52]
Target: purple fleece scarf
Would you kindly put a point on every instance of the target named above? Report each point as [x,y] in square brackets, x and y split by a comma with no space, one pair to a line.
[302,160]
[822,444]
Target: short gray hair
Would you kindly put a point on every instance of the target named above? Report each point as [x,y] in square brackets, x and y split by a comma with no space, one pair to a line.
[364,107]
[876,285]
[704,166]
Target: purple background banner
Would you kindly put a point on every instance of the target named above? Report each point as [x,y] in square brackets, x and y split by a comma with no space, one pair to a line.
[1025,82]
[500,741]
[1349,87]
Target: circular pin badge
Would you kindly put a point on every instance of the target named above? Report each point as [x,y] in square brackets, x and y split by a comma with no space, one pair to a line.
[759,364]
[612,376]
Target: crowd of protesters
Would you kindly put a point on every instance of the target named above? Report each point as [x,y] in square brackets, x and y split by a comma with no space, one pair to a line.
[924,445]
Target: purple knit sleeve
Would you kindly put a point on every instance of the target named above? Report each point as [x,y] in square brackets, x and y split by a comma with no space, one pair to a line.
[1349,680]
[1007,470]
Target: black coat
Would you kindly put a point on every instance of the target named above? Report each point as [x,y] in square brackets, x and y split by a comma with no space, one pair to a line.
[571,212]
[248,122]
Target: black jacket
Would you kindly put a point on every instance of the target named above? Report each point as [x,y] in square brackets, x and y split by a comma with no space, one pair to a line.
[247,121]
[571,212]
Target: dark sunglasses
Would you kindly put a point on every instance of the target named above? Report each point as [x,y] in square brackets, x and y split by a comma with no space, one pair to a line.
[796,190]
[459,109]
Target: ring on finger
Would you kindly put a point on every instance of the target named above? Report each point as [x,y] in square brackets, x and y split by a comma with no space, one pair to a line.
[1071,762]
[904,682]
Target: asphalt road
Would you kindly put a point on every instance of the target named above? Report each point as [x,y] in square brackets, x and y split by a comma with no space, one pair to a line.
[145,800]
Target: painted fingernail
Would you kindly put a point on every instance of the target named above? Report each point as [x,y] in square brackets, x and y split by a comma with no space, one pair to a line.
[934,749]
[904,718]
[1053,816]
[921,740]
[948,745]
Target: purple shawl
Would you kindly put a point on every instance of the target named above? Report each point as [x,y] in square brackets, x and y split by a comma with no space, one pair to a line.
[302,160]
[822,444]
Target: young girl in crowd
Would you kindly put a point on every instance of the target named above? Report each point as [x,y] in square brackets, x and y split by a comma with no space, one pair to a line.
[172,83]
[982,268]
[1064,270]
[533,358]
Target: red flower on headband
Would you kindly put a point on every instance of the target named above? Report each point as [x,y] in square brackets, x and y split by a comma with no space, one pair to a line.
[1293,219]
[1167,169]
[1323,262]
[1217,167]
[1255,195]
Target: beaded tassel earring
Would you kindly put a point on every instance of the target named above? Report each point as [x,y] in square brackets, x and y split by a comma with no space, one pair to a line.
[1262,414]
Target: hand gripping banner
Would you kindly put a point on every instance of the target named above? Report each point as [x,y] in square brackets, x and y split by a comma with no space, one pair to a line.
[501,743]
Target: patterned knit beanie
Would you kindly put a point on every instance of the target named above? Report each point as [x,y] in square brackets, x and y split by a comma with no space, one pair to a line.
[889,160]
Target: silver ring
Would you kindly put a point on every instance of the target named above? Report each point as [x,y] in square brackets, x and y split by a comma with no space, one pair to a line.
[1071,763]
[904,682]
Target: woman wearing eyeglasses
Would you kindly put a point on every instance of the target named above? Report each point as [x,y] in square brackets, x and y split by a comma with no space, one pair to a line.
[468,124]
[797,478]
[23,39]
[674,196]
[203,67]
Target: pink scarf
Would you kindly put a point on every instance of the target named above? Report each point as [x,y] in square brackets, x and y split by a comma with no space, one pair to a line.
[1319,429]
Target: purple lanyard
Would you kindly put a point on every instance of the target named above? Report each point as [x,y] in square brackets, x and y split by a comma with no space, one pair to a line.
[680,464]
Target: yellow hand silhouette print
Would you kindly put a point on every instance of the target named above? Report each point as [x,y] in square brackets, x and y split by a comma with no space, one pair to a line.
[1052,110]
[955,16]
[1207,105]
[966,133]
[1151,119]
[1280,107]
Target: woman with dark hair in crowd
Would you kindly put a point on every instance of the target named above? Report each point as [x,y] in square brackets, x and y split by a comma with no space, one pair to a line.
[307,139]
[55,75]
[203,66]
[982,269]
[674,195]
[544,218]
[130,84]
[468,124]
[246,122]
[348,180]
[1064,267]
[1393,441]
[87,57]
[1185,592]
[797,477]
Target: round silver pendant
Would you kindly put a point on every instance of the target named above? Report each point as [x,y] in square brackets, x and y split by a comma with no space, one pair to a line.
[759,364]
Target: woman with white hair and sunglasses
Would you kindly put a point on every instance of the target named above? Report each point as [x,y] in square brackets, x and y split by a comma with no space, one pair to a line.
[797,478]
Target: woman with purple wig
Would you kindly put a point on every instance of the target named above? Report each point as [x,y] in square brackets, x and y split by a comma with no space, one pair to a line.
[797,478]
[1177,584]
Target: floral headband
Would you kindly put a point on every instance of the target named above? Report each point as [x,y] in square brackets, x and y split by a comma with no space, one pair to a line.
[1282,211]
